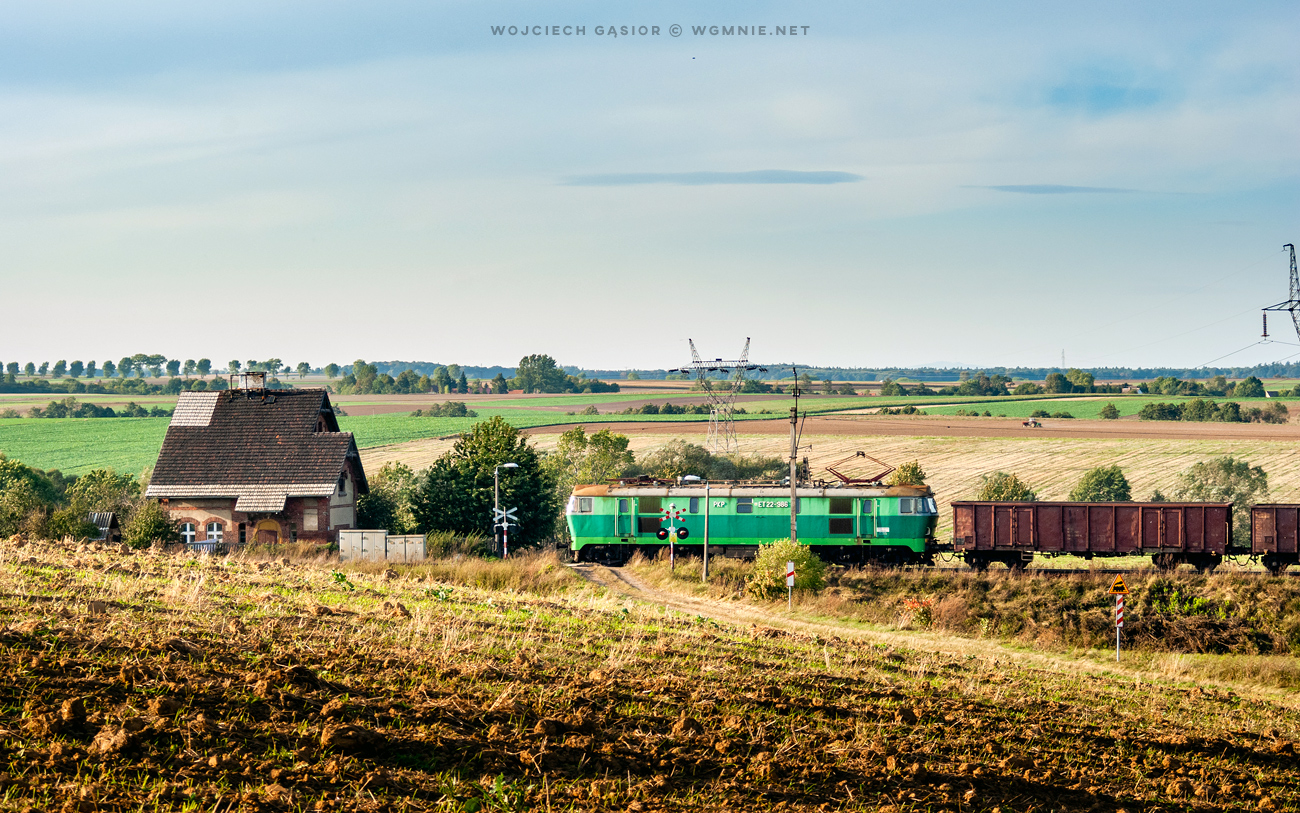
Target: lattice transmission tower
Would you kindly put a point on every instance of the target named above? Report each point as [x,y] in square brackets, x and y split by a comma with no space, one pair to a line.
[721,393]
[1293,303]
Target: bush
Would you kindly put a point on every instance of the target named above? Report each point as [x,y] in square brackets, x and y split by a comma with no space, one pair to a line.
[1109,412]
[149,524]
[908,474]
[1160,412]
[1226,479]
[1062,415]
[450,409]
[768,578]
[67,522]
[1040,413]
[1250,387]
[1001,486]
[1102,484]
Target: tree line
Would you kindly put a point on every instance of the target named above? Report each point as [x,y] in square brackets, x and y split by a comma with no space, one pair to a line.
[536,373]
[1223,479]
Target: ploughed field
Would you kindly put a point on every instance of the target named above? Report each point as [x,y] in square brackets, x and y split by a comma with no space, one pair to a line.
[149,681]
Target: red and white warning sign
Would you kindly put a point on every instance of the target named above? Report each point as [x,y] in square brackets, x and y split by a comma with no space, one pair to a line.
[1119,610]
[789,574]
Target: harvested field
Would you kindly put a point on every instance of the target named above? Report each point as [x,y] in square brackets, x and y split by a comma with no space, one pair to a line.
[149,681]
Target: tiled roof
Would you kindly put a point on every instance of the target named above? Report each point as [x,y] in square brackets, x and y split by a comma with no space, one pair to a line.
[265,447]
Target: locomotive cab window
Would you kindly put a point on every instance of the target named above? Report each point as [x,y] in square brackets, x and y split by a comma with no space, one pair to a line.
[744,505]
[905,505]
[695,505]
[584,505]
[650,505]
[866,506]
[622,506]
[841,505]
[928,506]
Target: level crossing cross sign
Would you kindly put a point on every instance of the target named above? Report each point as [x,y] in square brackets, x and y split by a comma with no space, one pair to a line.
[505,516]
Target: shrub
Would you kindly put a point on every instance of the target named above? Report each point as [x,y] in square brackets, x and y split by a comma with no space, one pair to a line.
[450,409]
[1160,412]
[1001,486]
[1226,479]
[1109,412]
[68,522]
[1040,413]
[1102,484]
[908,474]
[1062,415]
[1250,387]
[768,577]
[149,524]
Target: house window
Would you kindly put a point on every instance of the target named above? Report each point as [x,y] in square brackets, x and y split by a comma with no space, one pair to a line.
[309,519]
[215,532]
[243,533]
[293,532]
[343,485]
[187,533]
[744,505]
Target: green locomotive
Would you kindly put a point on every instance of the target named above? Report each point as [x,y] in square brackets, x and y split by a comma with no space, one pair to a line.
[846,524]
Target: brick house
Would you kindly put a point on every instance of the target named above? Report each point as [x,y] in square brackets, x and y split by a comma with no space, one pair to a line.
[256,465]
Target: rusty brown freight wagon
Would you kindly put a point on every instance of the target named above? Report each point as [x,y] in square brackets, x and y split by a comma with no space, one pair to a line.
[1275,535]
[1171,533]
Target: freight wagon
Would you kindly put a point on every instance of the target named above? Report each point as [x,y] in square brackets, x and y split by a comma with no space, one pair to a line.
[846,524]
[1199,534]
[1274,530]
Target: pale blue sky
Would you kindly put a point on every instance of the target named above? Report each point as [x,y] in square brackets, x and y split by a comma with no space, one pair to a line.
[908,183]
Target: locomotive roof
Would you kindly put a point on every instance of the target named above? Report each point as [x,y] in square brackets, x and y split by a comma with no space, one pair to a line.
[771,490]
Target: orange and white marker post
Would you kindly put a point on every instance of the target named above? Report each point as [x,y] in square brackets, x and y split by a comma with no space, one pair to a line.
[1118,590]
[789,586]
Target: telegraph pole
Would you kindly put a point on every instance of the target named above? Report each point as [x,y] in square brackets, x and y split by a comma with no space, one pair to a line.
[794,464]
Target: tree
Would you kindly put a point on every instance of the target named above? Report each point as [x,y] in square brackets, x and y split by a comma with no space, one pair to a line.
[1109,412]
[60,367]
[1056,382]
[632,376]
[29,369]
[455,493]
[442,379]
[109,369]
[189,367]
[892,389]
[90,369]
[538,373]
[581,458]
[233,366]
[203,366]
[331,371]
[908,474]
[1027,388]
[679,458]
[1226,479]
[149,524]
[1218,386]
[1250,387]
[303,368]
[124,366]
[1001,486]
[75,369]
[1102,484]
[173,368]
[462,386]
[1082,381]
[272,366]
[499,385]
[828,387]
[388,505]
[43,369]
[103,490]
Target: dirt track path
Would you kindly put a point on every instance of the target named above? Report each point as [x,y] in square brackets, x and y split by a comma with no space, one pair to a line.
[625,583]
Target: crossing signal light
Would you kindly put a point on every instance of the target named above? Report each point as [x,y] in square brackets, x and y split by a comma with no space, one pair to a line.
[662,533]
[682,533]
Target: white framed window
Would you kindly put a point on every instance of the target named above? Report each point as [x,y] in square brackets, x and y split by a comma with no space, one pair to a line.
[215,531]
[187,532]
[584,505]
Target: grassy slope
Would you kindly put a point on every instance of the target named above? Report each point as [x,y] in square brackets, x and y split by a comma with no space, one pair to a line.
[204,684]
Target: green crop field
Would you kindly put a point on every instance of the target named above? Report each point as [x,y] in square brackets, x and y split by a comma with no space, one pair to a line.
[1090,407]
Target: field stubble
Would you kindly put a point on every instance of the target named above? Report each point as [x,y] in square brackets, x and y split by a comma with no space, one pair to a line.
[159,682]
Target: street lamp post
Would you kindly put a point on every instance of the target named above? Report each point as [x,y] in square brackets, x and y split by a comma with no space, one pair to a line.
[496,505]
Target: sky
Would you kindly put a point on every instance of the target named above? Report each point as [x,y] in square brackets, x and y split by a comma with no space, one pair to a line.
[897,184]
